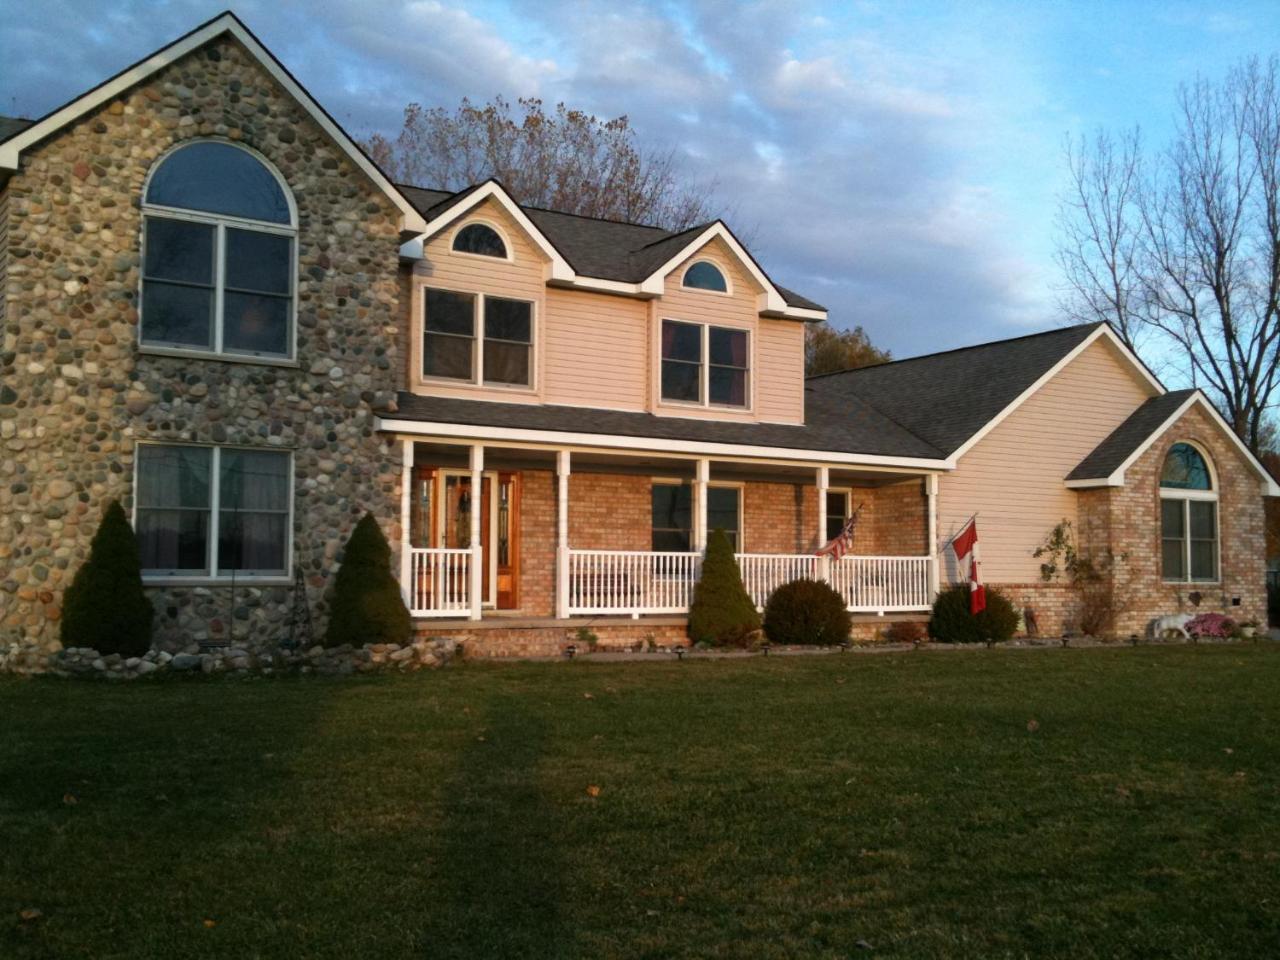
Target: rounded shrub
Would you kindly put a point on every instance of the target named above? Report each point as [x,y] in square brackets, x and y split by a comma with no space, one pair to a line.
[721,613]
[806,612]
[367,606]
[105,607]
[952,622]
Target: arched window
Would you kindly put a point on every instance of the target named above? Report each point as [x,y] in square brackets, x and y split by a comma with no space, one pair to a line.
[219,254]
[705,275]
[480,239]
[1188,517]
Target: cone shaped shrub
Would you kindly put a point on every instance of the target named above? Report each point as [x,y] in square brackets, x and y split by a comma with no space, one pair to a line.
[722,612]
[105,607]
[367,607]
[806,611]
[953,623]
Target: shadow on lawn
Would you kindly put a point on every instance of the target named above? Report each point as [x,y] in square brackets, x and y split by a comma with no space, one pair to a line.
[500,882]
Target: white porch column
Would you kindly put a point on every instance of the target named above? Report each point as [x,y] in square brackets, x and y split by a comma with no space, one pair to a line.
[406,501]
[824,483]
[562,534]
[701,476]
[931,494]
[476,585]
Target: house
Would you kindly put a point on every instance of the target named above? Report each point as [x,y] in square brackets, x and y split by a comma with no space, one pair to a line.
[217,310]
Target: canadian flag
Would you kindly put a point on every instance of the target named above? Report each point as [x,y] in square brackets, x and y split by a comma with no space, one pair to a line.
[965,545]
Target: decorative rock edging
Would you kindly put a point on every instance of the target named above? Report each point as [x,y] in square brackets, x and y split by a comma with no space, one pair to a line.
[82,662]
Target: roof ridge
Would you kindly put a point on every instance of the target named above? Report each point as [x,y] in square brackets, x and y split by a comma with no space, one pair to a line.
[972,346]
[562,213]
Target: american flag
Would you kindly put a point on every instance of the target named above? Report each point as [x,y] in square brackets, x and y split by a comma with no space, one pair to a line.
[842,542]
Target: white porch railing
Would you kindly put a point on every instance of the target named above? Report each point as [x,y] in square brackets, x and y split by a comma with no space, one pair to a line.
[631,581]
[883,584]
[438,580]
[639,582]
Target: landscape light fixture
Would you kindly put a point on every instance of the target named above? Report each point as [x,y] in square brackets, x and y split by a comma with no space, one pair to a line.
[678,651]
[765,647]
[570,651]
[844,646]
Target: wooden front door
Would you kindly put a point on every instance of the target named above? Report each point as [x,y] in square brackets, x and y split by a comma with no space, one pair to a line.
[499,506]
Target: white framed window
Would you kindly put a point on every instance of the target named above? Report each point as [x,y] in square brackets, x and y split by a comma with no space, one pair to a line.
[219,255]
[479,238]
[705,275]
[207,512]
[477,338]
[1188,517]
[705,364]
[672,514]
[839,509]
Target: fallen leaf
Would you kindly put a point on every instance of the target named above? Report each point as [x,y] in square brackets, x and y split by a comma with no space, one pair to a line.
[210,924]
[1032,726]
[593,791]
[69,799]
[1228,751]
[29,914]
[588,696]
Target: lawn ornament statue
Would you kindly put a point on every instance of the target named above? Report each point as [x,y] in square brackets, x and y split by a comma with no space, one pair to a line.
[1165,628]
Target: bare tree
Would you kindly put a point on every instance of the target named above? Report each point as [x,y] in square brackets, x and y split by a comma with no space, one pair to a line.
[564,160]
[1186,246]
[827,349]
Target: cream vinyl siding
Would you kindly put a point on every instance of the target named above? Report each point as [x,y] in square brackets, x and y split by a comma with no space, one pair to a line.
[521,278]
[780,373]
[595,350]
[1014,476]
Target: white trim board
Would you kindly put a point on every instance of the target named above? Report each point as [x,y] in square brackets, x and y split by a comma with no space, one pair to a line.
[600,441]
[228,23]
[1116,478]
[1102,332]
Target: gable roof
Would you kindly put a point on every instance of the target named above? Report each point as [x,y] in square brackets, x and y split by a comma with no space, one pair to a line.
[953,399]
[588,249]
[12,146]
[1106,464]
[832,425]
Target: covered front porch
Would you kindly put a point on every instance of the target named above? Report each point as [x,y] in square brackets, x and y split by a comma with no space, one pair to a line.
[515,531]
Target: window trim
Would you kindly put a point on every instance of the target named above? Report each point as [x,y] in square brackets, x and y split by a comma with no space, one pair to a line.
[724,274]
[492,225]
[476,380]
[1185,497]
[704,386]
[221,223]
[211,576]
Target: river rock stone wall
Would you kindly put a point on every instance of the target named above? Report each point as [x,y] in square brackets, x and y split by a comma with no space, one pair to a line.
[77,393]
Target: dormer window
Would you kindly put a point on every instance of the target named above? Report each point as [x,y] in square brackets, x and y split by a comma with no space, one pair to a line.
[705,275]
[481,240]
[705,364]
[219,254]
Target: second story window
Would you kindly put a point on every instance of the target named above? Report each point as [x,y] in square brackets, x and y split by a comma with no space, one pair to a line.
[704,364]
[705,275]
[480,239]
[477,338]
[219,250]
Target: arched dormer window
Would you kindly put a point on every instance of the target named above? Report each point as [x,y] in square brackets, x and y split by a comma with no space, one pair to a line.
[1188,517]
[705,275]
[219,254]
[481,240]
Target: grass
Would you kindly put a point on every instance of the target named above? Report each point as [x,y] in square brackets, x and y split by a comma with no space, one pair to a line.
[1059,803]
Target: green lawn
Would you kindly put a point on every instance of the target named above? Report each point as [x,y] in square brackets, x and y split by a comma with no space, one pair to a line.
[1070,803]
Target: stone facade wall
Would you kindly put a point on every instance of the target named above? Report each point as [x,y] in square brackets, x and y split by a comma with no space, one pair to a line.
[80,394]
[780,517]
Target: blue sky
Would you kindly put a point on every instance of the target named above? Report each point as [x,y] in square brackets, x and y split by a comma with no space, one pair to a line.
[898,162]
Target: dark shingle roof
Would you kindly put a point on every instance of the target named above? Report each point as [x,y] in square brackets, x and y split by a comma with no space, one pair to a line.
[1107,456]
[838,425]
[608,249]
[10,126]
[945,398]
